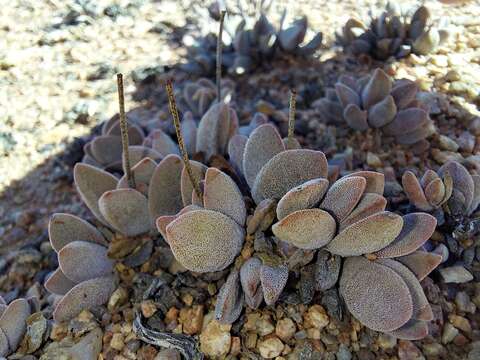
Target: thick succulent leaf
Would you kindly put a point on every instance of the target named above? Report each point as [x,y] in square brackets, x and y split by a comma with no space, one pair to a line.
[414,191]
[13,321]
[2,301]
[412,330]
[142,173]
[343,196]
[87,159]
[428,177]
[230,300]
[312,45]
[416,135]
[382,113]
[332,111]
[406,121]
[273,280]
[81,260]
[287,170]
[427,42]
[462,180]
[163,143]
[164,192]
[4,347]
[107,149]
[250,281]
[417,229]
[375,181]
[65,228]
[137,153]
[421,263]
[236,148]
[346,95]
[375,294]
[421,307]
[91,184]
[367,235]
[189,133]
[135,133]
[215,129]
[292,36]
[306,229]
[186,187]
[263,144]
[377,88]
[305,196]
[404,94]
[126,210]
[58,283]
[355,117]
[223,195]
[163,221]
[476,194]
[205,240]
[371,203]
[435,192]
[85,295]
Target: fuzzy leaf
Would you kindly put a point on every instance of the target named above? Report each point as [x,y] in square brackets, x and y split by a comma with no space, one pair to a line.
[417,229]
[58,283]
[412,330]
[65,228]
[287,170]
[375,181]
[91,183]
[346,95]
[462,181]
[416,135]
[355,117]
[375,294]
[163,143]
[135,133]
[186,186]
[107,149]
[306,229]
[142,173]
[382,113]
[428,177]
[367,235]
[223,195]
[377,88]
[273,280]
[250,281]
[292,36]
[421,307]
[404,94]
[476,194]
[414,191]
[126,210]
[343,196]
[435,192]
[370,204]
[85,295]
[205,240]
[421,263]
[81,260]
[13,321]
[305,196]
[137,153]
[189,132]
[230,300]
[263,144]
[236,149]
[4,347]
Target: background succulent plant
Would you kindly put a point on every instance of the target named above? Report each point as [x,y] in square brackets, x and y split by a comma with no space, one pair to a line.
[376,101]
[394,33]
[13,324]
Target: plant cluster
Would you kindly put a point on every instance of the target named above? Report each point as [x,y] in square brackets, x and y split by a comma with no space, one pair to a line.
[393,33]
[377,101]
[13,323]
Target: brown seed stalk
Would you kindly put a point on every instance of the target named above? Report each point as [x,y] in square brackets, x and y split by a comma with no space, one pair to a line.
[219,56]
[176,121]
[124,132]
[291,119]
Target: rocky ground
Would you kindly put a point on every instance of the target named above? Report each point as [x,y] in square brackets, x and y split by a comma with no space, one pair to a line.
[57,66]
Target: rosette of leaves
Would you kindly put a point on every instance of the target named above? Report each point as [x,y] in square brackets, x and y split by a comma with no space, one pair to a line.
[394,34]
[251,44]
[452,188]
[13,324]
[378,102]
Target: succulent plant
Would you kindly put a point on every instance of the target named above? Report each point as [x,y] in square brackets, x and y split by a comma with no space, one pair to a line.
[13,324]
[394,34]
[251,45]
[376,101]
[452,186]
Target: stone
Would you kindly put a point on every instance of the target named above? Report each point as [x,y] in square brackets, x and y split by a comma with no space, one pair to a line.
[270,347]
[386,341]
[117,299]
[117,341]
[148,308]
[285,329]
[460,323]
[168,354]
[449,333]
[192,319]
[433,349]
[408,351]
[456,274]
[316,317]
[462,300]
[344,353]
[215,339]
